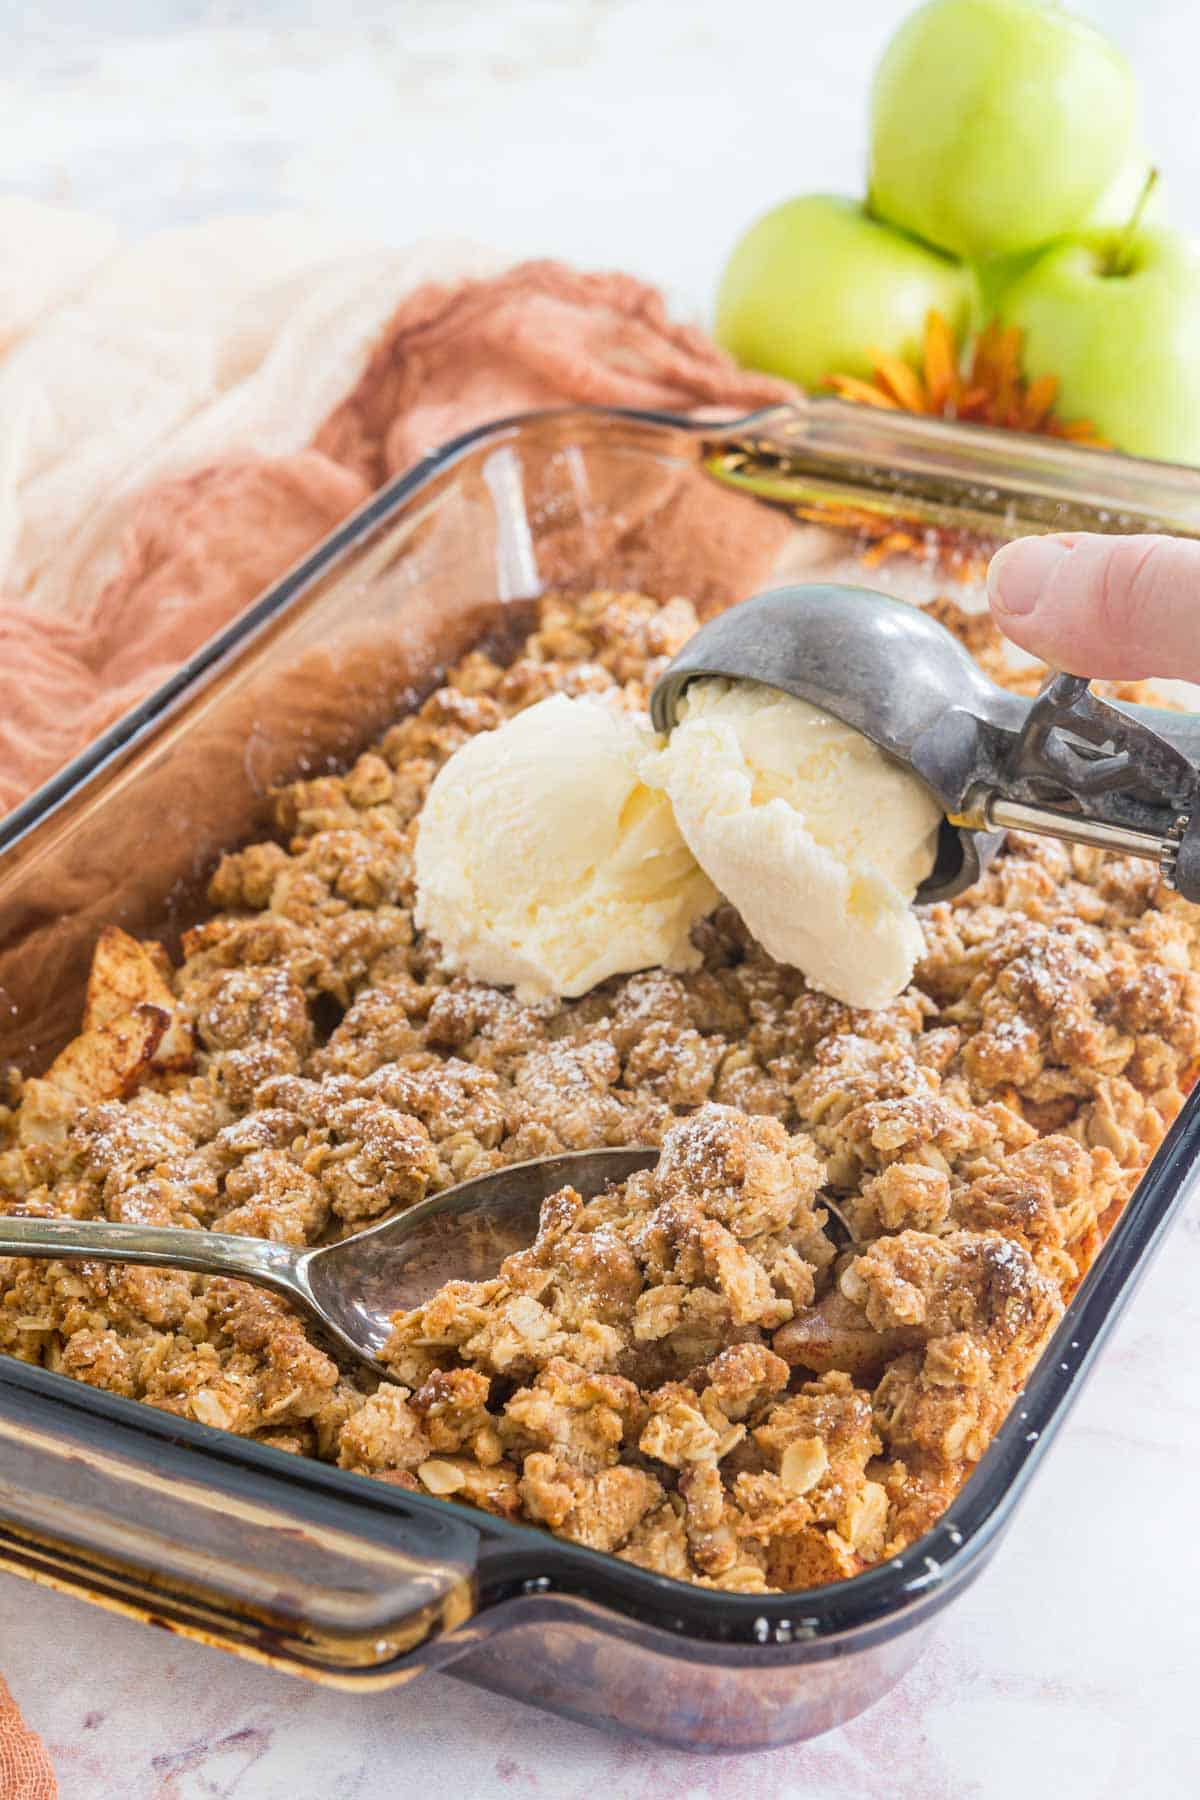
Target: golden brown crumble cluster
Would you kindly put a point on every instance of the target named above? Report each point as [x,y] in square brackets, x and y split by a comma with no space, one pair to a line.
[767,1363]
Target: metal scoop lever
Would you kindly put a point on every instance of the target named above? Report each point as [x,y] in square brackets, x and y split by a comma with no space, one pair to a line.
[1066,764]
[353,1287]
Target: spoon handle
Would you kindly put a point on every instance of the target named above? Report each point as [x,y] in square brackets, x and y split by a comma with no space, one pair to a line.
[161,1246]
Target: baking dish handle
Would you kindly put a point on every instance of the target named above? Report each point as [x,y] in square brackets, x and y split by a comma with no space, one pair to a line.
[820,452]
[278,1558]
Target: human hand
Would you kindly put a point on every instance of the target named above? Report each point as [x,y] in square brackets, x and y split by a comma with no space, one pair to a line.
[1118,608]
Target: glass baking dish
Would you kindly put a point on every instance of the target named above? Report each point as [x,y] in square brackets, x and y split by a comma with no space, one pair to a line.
[359,1583]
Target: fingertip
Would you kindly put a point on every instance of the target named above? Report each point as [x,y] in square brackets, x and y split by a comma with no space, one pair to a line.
[1019,574]
[1114,607]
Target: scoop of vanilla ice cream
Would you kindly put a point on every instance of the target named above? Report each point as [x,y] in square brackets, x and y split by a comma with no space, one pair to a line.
[545,862]
[816,836]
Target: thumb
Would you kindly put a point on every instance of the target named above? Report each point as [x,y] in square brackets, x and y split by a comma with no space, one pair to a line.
[1114,607]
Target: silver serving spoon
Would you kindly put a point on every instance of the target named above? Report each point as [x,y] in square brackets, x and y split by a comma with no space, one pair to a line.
[1067,764]
[352,1288]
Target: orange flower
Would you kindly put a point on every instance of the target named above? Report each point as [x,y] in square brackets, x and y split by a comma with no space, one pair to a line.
[956,552]
[992,392]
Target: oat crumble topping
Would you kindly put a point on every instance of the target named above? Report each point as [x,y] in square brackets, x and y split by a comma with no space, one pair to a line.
[767,1363]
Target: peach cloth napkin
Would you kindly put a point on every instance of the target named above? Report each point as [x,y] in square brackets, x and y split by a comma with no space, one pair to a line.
[25,1772]
[192,550]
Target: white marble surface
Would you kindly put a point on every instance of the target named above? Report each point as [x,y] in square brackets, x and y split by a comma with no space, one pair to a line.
[632,133]
[638,133]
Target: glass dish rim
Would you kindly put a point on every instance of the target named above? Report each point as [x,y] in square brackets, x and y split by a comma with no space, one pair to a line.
[930,1570]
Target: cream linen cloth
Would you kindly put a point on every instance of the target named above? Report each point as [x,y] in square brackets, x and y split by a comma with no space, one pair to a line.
[123,364]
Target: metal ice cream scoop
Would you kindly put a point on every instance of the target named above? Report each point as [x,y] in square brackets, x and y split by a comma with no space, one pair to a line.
[352,1288]
[1066,764]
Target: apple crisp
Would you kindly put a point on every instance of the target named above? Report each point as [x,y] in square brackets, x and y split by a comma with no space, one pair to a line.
[766,1363]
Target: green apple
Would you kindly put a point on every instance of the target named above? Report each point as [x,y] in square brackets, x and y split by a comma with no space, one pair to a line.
[996,124]
[817,284]
[1135,196]
[995,274]
[1116,317]
[1127,193]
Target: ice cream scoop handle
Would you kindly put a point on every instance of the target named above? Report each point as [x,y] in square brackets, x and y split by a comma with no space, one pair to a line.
[1180,729]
